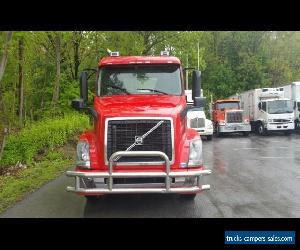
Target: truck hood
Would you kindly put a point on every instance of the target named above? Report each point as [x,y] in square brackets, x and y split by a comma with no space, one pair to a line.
[139,105]
[194,114]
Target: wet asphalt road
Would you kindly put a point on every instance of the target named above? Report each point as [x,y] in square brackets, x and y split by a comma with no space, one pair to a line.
[252,177]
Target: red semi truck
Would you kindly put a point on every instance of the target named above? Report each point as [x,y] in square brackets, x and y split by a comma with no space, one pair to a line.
[140,142]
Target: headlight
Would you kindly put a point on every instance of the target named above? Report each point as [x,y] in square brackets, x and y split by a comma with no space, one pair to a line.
[195,157]
[209,126]
[83,154]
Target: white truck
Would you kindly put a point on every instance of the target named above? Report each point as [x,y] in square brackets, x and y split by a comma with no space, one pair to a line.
[196,118]
[292,91]
[268,110]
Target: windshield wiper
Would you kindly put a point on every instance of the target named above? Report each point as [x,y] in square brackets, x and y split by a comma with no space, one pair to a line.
[117,87]
[155,90]
[282,112]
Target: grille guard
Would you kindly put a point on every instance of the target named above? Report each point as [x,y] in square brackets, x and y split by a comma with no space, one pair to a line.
[110,175]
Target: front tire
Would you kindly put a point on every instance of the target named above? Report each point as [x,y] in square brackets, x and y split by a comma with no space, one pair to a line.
[188,197]
[218,133]
[287,133]
[297,125]
[209,137]
[261,130]
[246,133]
[92,199]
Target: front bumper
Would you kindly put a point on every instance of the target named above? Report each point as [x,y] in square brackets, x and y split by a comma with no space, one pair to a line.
[203,131]
[235,128]
[280,126]
[167,187]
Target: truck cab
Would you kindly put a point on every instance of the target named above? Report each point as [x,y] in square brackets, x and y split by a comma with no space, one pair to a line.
[196,118]
[139,142]
[228,117]
[292,91]
[275,115]
[268,110]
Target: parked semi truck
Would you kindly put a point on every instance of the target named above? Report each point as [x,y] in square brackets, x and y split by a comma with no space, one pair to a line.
[196,118]
[292,91]
[268,110]
[140,142]
[228,117]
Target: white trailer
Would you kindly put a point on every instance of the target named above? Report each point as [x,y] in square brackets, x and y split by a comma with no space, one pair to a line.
[196,118]
[292,91]
[268,110]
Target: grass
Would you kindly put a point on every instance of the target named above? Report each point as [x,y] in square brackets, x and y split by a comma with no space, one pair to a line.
[47,148]
[14,188]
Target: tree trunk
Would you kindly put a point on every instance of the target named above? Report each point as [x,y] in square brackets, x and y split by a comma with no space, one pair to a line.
[2,145]
[3,59]
[21,80]
[76,59]
[55,96]
[4,124]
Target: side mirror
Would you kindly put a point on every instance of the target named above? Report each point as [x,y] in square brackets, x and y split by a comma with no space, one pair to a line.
[84,86]
[199,102]
[78,104]
[196,84]
[295,104]
[259,106]
[81,104]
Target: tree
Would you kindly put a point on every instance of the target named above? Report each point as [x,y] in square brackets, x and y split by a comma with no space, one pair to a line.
[55,96]
[21,79]
[3,59]
[3,119]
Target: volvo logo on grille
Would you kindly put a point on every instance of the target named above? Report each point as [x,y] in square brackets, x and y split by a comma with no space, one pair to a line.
[139,140]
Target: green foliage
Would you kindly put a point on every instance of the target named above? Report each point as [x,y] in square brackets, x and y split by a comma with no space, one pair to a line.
[45,134]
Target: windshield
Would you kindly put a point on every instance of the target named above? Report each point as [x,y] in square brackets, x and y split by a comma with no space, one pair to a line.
[228,105]
[195,109]
[140,79]
[280,107]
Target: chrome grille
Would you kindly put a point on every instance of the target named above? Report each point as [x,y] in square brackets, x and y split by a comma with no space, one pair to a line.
[122,134]
[234,117]
[280,120]
[197,122]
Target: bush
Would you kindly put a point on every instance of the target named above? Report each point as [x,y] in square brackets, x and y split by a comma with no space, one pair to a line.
[41,135]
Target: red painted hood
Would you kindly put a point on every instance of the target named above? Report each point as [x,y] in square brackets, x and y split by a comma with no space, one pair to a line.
[139,105]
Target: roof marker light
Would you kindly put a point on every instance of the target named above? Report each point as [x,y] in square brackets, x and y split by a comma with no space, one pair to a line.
[114,53]
[164,53]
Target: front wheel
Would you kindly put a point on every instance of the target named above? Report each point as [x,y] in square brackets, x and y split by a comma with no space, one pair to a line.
[92,199]
[297,125]
[218,133]
[288,133]
[261,130]
[209,137]
[189,197]
[246,133]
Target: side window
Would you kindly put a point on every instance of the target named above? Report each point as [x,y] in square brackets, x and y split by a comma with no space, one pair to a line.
[264,106]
